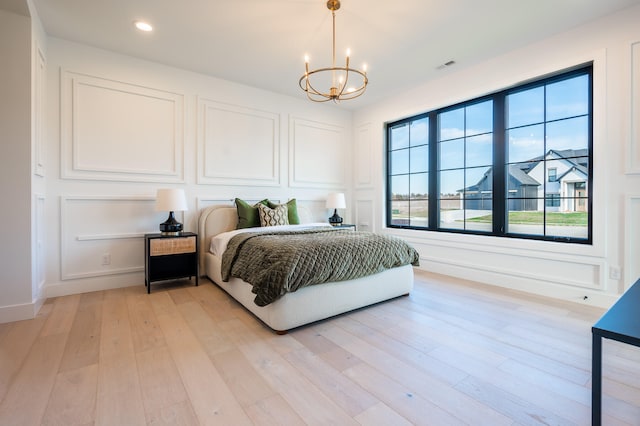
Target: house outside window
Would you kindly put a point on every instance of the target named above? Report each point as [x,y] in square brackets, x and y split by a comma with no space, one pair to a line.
[465,159]
[516,163]
[553,200]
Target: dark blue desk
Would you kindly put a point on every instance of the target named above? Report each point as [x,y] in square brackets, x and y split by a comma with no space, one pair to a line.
[622,323]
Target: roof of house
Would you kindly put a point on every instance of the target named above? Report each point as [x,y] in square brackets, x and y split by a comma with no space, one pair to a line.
[520,171]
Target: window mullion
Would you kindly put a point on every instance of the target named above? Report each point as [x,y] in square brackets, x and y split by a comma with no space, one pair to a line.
[500,202]
[434,214]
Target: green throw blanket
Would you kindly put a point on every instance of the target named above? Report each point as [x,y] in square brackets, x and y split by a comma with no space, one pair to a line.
[275,263]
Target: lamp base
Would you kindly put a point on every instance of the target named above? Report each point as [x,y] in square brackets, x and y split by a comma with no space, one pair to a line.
[335,219]
[171,226]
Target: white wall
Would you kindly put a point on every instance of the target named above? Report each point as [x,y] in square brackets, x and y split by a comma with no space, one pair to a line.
[15,162]
[567,271]
[119,128]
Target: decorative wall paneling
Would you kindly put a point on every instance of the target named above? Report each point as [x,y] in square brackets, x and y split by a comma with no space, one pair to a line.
[633,165]
[318,154]
[39,105]
[237,145]
[536,267]
[204,202]
[319,212]
[365,215]
[363,157]
[113,130]
[632,240]
[104,235]
[40,255]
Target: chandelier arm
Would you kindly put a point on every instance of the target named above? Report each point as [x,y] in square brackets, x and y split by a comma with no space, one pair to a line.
[308,81]
[319,97]
[338,89]
[360,90]
[312,91]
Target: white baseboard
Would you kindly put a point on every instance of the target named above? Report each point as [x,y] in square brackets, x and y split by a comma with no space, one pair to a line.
[65,288]
[20,312]
[583,296]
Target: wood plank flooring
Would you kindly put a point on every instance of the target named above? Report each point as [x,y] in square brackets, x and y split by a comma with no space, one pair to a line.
[452,353]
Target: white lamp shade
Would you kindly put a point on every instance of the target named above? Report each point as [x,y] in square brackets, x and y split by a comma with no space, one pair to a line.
[171,200]
[336,200]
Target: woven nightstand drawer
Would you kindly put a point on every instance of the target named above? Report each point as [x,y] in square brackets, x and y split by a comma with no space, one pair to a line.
[165,246]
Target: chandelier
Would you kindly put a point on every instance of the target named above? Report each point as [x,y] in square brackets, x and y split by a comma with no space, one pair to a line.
[343,83]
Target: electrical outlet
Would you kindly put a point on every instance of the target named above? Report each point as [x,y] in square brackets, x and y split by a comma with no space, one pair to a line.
[106,259]
[615,273]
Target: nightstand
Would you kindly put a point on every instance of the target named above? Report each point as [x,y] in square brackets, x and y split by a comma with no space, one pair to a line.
[169,257]
[346,226]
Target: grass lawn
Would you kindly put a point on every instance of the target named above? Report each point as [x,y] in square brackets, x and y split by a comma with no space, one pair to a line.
[565,219]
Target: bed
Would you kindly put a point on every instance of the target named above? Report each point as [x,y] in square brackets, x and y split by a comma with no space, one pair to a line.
[308,304]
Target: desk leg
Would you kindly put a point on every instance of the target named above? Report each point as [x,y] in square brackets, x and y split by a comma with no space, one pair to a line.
[596,380]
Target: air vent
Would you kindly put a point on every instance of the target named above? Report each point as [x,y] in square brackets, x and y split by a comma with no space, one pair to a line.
[445,65]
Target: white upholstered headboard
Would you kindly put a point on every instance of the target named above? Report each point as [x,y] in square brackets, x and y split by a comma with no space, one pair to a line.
[222,218]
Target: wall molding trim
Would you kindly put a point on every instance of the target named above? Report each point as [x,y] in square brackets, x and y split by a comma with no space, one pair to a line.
[365,216]
[632,240]
[363,157]
[633,146]
[82,247]
[40,64]
[39,244]
[103,119]
[232,135]
[507,272]
[324,163]
[66,288]
[540,288]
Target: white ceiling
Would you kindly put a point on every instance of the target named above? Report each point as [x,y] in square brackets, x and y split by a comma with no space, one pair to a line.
[262,43]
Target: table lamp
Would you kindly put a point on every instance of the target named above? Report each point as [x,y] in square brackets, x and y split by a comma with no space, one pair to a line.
[171,200]
[336,201]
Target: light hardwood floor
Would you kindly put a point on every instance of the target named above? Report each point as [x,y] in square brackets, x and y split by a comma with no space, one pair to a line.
[451,353]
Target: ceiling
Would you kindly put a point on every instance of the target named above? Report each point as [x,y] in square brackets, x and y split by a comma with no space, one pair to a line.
[262,43]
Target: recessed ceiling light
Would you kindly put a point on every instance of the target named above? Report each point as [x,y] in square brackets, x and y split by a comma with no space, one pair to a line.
[143,26]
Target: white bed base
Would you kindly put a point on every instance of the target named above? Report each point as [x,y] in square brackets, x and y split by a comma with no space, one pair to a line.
[308,304]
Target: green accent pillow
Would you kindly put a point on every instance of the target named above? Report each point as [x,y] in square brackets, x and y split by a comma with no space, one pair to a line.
[248,216]
[292,208]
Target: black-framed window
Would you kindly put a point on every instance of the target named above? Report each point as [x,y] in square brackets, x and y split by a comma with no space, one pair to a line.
[409,173]
[515,163]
